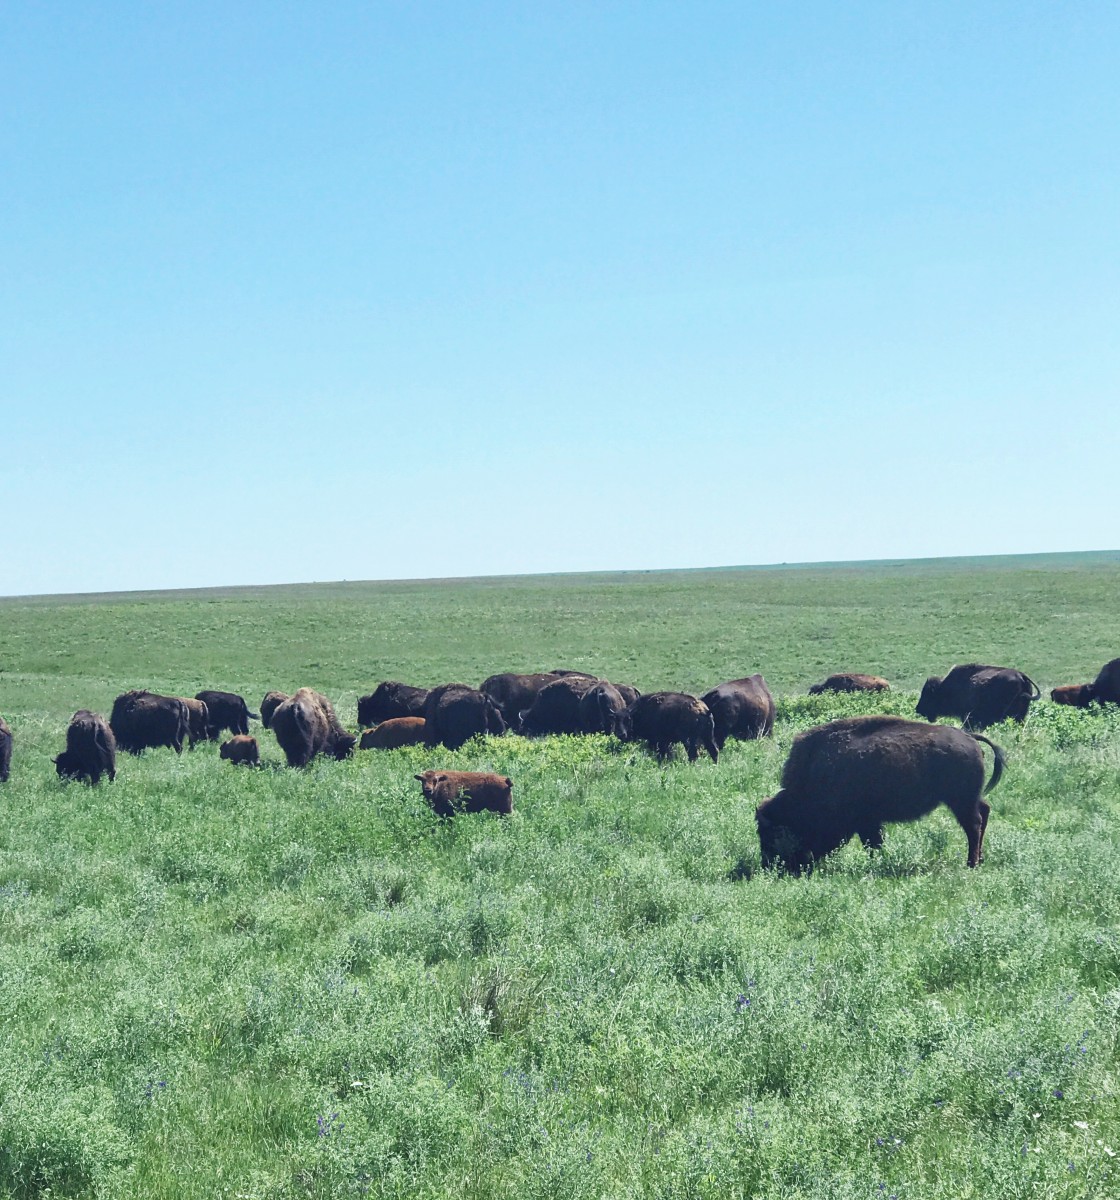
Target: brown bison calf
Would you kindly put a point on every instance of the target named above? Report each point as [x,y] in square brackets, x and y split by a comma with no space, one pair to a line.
[241,748]
[449,792]
[397,731]
[850,681]
[852,776]
[1076,695]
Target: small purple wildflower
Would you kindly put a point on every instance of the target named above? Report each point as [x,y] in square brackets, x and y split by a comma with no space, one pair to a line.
[742,1001]
[327,1125]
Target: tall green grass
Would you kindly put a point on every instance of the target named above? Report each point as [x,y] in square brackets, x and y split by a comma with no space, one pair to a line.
[274,983]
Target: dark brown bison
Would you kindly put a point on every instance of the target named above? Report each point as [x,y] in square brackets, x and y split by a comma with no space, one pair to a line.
[451,792]
[1076,695]
[5,750]
[556,708]
[270,703]
[91,749]
[140,720]
[629,694]
[396,731]
[455,713]
[515,693]
[980,696]
[848,681]
[850,777]
[1106,686]
[661,719]
[603,709]
[241,748]
[741,708]
[227,710]
[391,699]
[198,720]
[305,725]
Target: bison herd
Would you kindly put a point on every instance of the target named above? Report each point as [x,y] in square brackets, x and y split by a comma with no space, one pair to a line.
[841,780]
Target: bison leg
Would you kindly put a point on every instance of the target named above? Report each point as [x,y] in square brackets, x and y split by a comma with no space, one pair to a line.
[985,812]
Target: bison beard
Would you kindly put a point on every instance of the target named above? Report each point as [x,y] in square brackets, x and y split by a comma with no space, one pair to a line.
[305,725]
[850,777]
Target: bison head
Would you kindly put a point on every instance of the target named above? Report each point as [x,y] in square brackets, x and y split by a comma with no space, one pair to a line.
[778,843]
[928,705]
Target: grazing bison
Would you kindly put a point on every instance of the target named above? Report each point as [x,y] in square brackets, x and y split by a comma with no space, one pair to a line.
[515,693]
[850,777]
[396,731]
[91,749]
[241,748]
[391,699]
[1076,695]
[742,708]
[198,720]
[227,710]
[848,681]
[305,725]
[603,709]
[455,713]
[270,704]
[449,792]
[140,720]
[557,706]
[661,719]
[980,696]
[5,750]
[1106,686]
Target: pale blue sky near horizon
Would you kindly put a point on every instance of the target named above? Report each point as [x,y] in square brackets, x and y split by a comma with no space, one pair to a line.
[362,291]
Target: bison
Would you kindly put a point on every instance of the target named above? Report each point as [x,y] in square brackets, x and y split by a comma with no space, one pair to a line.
[449,792]
[241,748]
[1106,686]
[396,731]
[5,750]
[980,696]
[661,719]
[741,708]
[141,719]
[1076,695]
[198,720]
[270,703]
[391,699]
[603,709]
[854,775]
[455,713]
[227,710]
[305,725]
[515,693]
[556,708]
[848,681]
[91,749]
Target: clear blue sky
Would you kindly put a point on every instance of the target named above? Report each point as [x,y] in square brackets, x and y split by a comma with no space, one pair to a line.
[372,290]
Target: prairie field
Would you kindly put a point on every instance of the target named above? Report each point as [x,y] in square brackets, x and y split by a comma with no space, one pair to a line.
[269,984]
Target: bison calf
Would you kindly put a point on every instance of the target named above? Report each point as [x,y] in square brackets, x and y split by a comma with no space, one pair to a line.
[397,731]
[241,748]
[850,681]
[1076,695]
[91,749]
[449,792]
[852,776]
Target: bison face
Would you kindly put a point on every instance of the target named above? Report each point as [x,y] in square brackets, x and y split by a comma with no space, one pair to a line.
[927,701]
[429,782]
[779,845]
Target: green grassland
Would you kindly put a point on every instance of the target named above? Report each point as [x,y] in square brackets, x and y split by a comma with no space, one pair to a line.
[225,982]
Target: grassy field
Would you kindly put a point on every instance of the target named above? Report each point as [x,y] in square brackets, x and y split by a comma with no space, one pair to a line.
[220,982]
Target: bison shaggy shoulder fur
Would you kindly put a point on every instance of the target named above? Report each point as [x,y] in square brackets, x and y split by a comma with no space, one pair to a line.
[851,777]
[395,732]
[241,748]
[451,792]
[305,725]
[91,749]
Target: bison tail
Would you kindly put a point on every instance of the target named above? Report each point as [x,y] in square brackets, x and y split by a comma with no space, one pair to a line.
[252,715]
[1034,687]
[1000,761]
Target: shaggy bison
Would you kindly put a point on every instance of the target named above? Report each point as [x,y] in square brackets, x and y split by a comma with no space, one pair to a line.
[449,792]
[848,681]
[455,713]
[396,731]
[980,696]
[241,748]
[603,709]
[515,693]
[742,708]
[391,699]
[852,776]
[305,725]
[227,710]
[91,749]
[140,720]
[5,750]
[556,708]
[270,703]
[661,719]
[1076,695]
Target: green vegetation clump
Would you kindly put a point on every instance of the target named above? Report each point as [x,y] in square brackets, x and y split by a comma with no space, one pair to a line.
[275,983]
